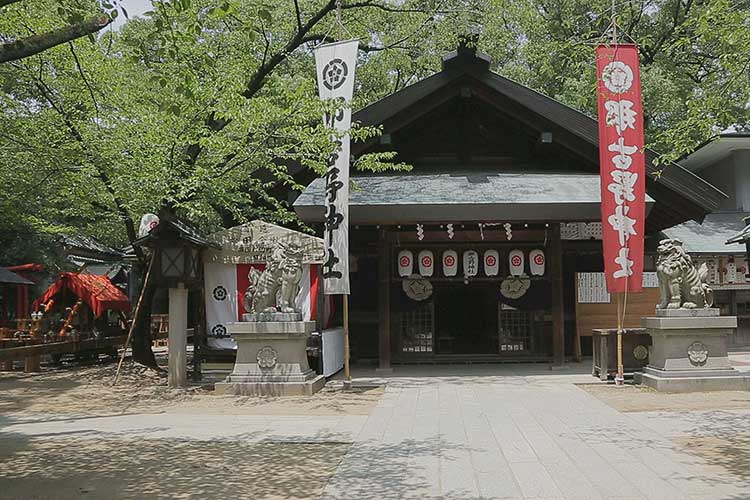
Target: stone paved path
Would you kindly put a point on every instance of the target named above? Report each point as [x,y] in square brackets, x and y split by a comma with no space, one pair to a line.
[517,438]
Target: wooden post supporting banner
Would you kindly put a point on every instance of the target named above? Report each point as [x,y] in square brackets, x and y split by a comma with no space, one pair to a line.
[620,377]
[347,372]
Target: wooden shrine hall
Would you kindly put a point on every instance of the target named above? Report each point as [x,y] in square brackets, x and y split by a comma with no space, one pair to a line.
[477,253]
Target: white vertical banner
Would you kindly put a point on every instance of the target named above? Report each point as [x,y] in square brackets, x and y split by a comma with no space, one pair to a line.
[220,282]
[335,64]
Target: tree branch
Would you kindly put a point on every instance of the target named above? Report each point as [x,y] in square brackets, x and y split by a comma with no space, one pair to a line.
[95,162]
[34,44]
[298,13]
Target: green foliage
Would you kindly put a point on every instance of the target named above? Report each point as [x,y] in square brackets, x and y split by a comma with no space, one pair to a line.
[209,106]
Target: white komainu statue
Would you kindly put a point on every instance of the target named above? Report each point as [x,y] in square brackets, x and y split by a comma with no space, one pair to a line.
[680,284]
[275,289]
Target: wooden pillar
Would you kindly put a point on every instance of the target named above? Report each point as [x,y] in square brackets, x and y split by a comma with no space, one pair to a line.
[177,372]
[200,340]
[558,313]
[384,301]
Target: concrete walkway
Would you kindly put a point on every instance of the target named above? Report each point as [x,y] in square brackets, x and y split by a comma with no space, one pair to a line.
[529,433]
[516,437]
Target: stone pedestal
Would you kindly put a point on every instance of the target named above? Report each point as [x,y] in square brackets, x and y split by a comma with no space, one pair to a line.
[271,360]
[689,352]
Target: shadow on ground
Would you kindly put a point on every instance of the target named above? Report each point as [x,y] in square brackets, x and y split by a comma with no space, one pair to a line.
[72,466]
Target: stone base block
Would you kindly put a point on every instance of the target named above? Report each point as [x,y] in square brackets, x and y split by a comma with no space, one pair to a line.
[736,382]
[698,312]
[266,388]
[272,316]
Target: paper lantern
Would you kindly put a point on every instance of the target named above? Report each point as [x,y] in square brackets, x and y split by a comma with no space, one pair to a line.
[491,262]
[450,263]
[536,262]
[471,263]
[405,263]
[426,263]
[515,260]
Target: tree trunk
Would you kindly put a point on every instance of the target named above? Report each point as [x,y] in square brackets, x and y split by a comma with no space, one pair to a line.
[141,339]
[141,343]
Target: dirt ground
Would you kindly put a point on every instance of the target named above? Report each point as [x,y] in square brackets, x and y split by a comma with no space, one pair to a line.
[631,398]
[82,468]
[70,466]
[89,391]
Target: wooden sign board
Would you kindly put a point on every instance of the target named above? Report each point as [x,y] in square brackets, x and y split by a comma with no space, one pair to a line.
[595,308]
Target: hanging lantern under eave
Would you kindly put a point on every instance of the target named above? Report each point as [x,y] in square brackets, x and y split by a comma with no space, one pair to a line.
[426,263]
[471,263]
[491,262]
[537,262]
[450,263]
[405,263]
[515,261]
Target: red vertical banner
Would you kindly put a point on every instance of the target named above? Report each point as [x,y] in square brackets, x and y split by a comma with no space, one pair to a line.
[622,165]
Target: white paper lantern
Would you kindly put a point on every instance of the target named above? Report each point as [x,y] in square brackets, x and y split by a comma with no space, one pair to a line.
[471,263]
[491,262]
[426,263]
[405,263]
[515,260]
[537,262]
[450,263]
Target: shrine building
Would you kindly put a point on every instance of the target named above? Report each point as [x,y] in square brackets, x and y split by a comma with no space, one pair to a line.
[489,250]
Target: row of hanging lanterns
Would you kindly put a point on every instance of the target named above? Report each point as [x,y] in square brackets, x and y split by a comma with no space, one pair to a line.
[470,261]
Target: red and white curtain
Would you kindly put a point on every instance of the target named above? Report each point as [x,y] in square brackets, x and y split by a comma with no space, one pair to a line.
[225,289]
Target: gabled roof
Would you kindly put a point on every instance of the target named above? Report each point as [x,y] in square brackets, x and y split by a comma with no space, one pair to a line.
[744,235]
[714,150]
[12,278]
[464,196]
[84,246]
[254,241]
[710,237]
[172,228]
[680,195]
[96,290]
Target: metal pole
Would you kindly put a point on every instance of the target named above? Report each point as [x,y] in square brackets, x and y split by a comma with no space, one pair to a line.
[347,372]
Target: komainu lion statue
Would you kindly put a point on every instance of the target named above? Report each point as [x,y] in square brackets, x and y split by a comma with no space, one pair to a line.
[680,284]
[275,289]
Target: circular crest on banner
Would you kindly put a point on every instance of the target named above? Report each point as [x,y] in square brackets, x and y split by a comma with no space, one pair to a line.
[617,77]
[219,331]
[334,74]
[417,288]
[405,261]
[490,260]
[427,261]
[539,259]
[516,260]
[220,293]
[449,260]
